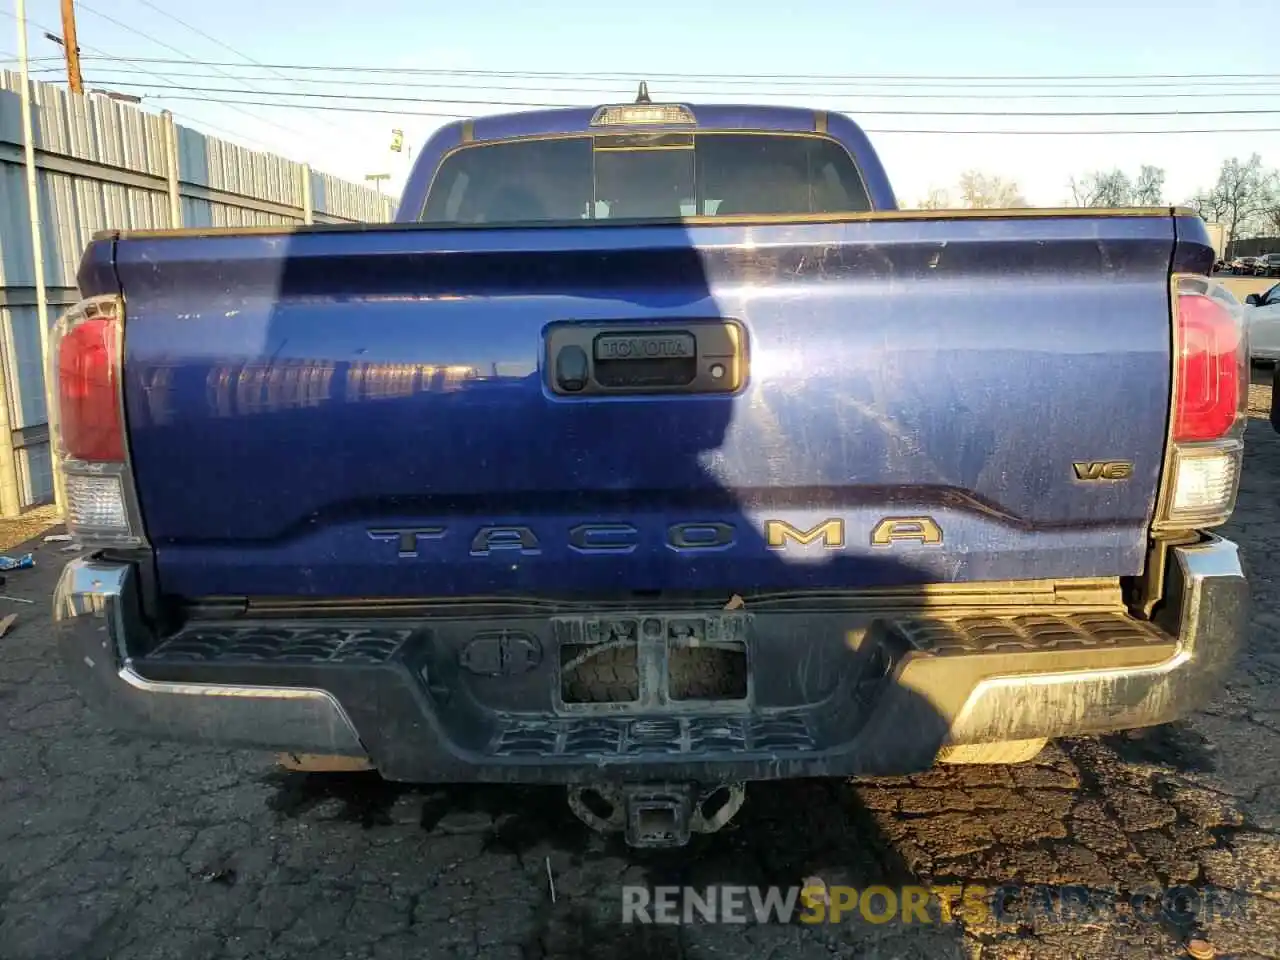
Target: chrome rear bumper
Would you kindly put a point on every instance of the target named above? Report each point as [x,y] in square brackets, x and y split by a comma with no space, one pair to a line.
[388,713]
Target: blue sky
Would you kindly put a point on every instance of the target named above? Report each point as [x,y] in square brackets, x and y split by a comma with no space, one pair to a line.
[925,38]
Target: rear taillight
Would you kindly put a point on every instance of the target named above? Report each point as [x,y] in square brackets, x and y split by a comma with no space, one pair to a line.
[87,421]
[1208,337]
[1210,395]
[89,390]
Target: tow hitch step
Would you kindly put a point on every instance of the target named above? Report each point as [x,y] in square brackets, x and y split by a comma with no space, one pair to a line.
[657,814]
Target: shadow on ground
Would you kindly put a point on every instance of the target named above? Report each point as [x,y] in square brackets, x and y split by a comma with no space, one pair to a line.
[786,833]
[1177,745]
[802,821]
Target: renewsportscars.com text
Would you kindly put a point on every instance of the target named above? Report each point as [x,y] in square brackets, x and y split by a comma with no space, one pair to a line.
[1010,903]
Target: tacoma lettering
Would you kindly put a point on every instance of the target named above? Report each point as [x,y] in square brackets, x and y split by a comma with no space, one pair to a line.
[892,529]
[407,539]
[778,532]
[700,536]
[504,539]
[689,537]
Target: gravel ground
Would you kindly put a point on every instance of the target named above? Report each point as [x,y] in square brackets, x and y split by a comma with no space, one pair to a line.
[118,849]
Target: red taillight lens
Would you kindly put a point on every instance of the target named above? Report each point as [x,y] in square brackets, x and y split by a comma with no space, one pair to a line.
[1209,375]
[89,419]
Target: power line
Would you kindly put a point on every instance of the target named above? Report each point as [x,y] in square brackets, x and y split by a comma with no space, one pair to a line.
[13,57]
[170,84]
[745,77]
[226,46]
[598,80]
[197,30]
[223,130]
[1033,133]
[861,89]
[408,84]
[862,111]
[105,55]
[169,46]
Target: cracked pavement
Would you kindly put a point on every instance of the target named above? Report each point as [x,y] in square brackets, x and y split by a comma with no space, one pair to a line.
[121,849]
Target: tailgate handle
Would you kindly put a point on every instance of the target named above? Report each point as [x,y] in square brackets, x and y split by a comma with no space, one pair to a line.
[699,356]
[668,359]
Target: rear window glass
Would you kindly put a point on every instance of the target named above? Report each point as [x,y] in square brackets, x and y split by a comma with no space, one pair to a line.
[645,177]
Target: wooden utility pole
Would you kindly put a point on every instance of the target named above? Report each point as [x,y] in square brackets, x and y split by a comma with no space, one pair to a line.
[70,47]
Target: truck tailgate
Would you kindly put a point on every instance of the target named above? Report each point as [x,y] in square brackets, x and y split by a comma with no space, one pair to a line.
[368,412]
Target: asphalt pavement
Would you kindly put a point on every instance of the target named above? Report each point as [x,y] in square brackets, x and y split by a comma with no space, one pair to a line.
[112,848]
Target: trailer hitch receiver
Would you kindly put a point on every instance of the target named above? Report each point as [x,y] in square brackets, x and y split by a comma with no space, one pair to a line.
[656,814]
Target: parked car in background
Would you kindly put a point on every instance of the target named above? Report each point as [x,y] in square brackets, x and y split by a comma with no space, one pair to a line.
[1262,315]
[1245,266]
[1270,265]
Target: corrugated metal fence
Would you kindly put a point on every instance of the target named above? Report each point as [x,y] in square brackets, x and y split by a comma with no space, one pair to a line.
[107,165]
[1254,246]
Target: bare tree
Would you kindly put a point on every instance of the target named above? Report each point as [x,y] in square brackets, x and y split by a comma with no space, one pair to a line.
[1148,189]
[1114,188]
[1268,220]
[1102,188]
[1208,206]
[1083,191]
[1239,198]
[936,199]
[985,191]
[976,190]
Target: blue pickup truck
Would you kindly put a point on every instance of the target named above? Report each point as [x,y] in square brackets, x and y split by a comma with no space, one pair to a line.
[651,452]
